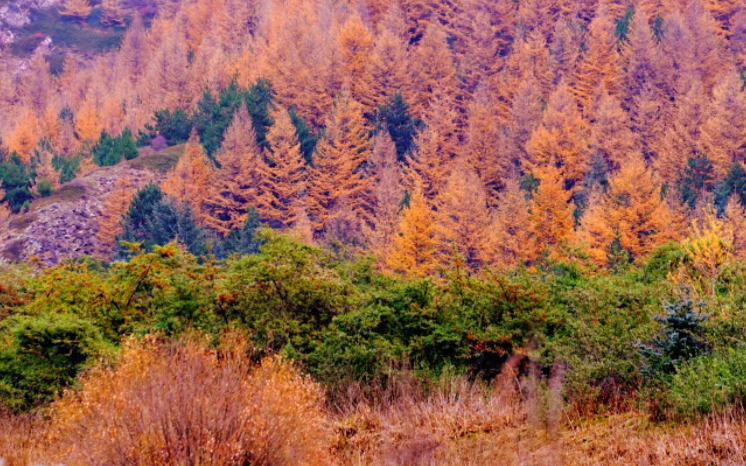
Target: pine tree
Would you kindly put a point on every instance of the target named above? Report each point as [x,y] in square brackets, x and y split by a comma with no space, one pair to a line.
[414,250]
[338,164]
[240,184]
[595,231]
[287,172]
[462,216]
[191,179]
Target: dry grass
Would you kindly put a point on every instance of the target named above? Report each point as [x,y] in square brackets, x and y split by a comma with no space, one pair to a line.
[186,404]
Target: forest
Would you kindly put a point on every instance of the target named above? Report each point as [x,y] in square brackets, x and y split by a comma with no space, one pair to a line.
[373,232]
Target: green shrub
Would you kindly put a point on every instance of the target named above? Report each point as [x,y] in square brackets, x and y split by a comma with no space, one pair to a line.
[709,383]
[43,355]
[44,187]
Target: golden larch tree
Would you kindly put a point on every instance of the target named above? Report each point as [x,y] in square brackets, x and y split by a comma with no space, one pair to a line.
[595,232]
[191,179]
[241,182]
[634,210]
[482,135]
[338,164]
[511,240]
[560,140]
[601,64]
[387,195]
[681,140]
[735,221]
[437,145]
[434,69]
[724,130]
[112,13]
[551,217]
[415,246]
[387,71]
[287,172]
[88,124]
[462,217]
[25,136]
[611,133]
[355,42]
[77,10]
[116,204]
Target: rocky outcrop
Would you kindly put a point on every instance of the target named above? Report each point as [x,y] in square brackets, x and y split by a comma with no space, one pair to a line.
[64,225]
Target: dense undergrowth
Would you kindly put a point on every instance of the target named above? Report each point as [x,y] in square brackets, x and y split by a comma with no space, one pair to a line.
[542,346]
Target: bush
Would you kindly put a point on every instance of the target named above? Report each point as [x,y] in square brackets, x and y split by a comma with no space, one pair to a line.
[44,355]
[184,403]
[44,187]
[709,383]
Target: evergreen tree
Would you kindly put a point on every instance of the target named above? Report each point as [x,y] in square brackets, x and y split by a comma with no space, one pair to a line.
[734,184]
[243,240]
[153,219]
[175,126]
[259,103]
[307,139]
[109,151]
[15,180]
[394,117]
[696,178]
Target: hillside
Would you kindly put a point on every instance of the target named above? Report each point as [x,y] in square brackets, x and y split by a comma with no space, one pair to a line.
[65,224]
[372,232]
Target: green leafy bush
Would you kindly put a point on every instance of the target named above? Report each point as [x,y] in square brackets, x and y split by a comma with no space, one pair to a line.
[709,383]
[43,355]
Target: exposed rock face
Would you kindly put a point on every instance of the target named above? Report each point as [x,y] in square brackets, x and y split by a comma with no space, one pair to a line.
[65,224]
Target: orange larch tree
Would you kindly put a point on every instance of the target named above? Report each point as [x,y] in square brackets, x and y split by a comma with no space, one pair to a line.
[387,195]
[190,180]
[560,140]
[287,173]
[611,133]
[511,239]
[463,218]
[116,204]
[338,164]
[241,182]
[601,64]
[551,217]
[724,130]
[415,246]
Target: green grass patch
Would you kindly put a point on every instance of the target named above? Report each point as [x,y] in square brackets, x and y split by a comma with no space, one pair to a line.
[67,193]
[160,162]
[65,34]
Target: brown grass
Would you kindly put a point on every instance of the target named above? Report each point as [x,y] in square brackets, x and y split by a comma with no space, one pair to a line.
[187,404]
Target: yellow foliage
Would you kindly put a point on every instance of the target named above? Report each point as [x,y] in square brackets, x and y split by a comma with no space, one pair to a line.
[709,247]
[415,246]
[191,179]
